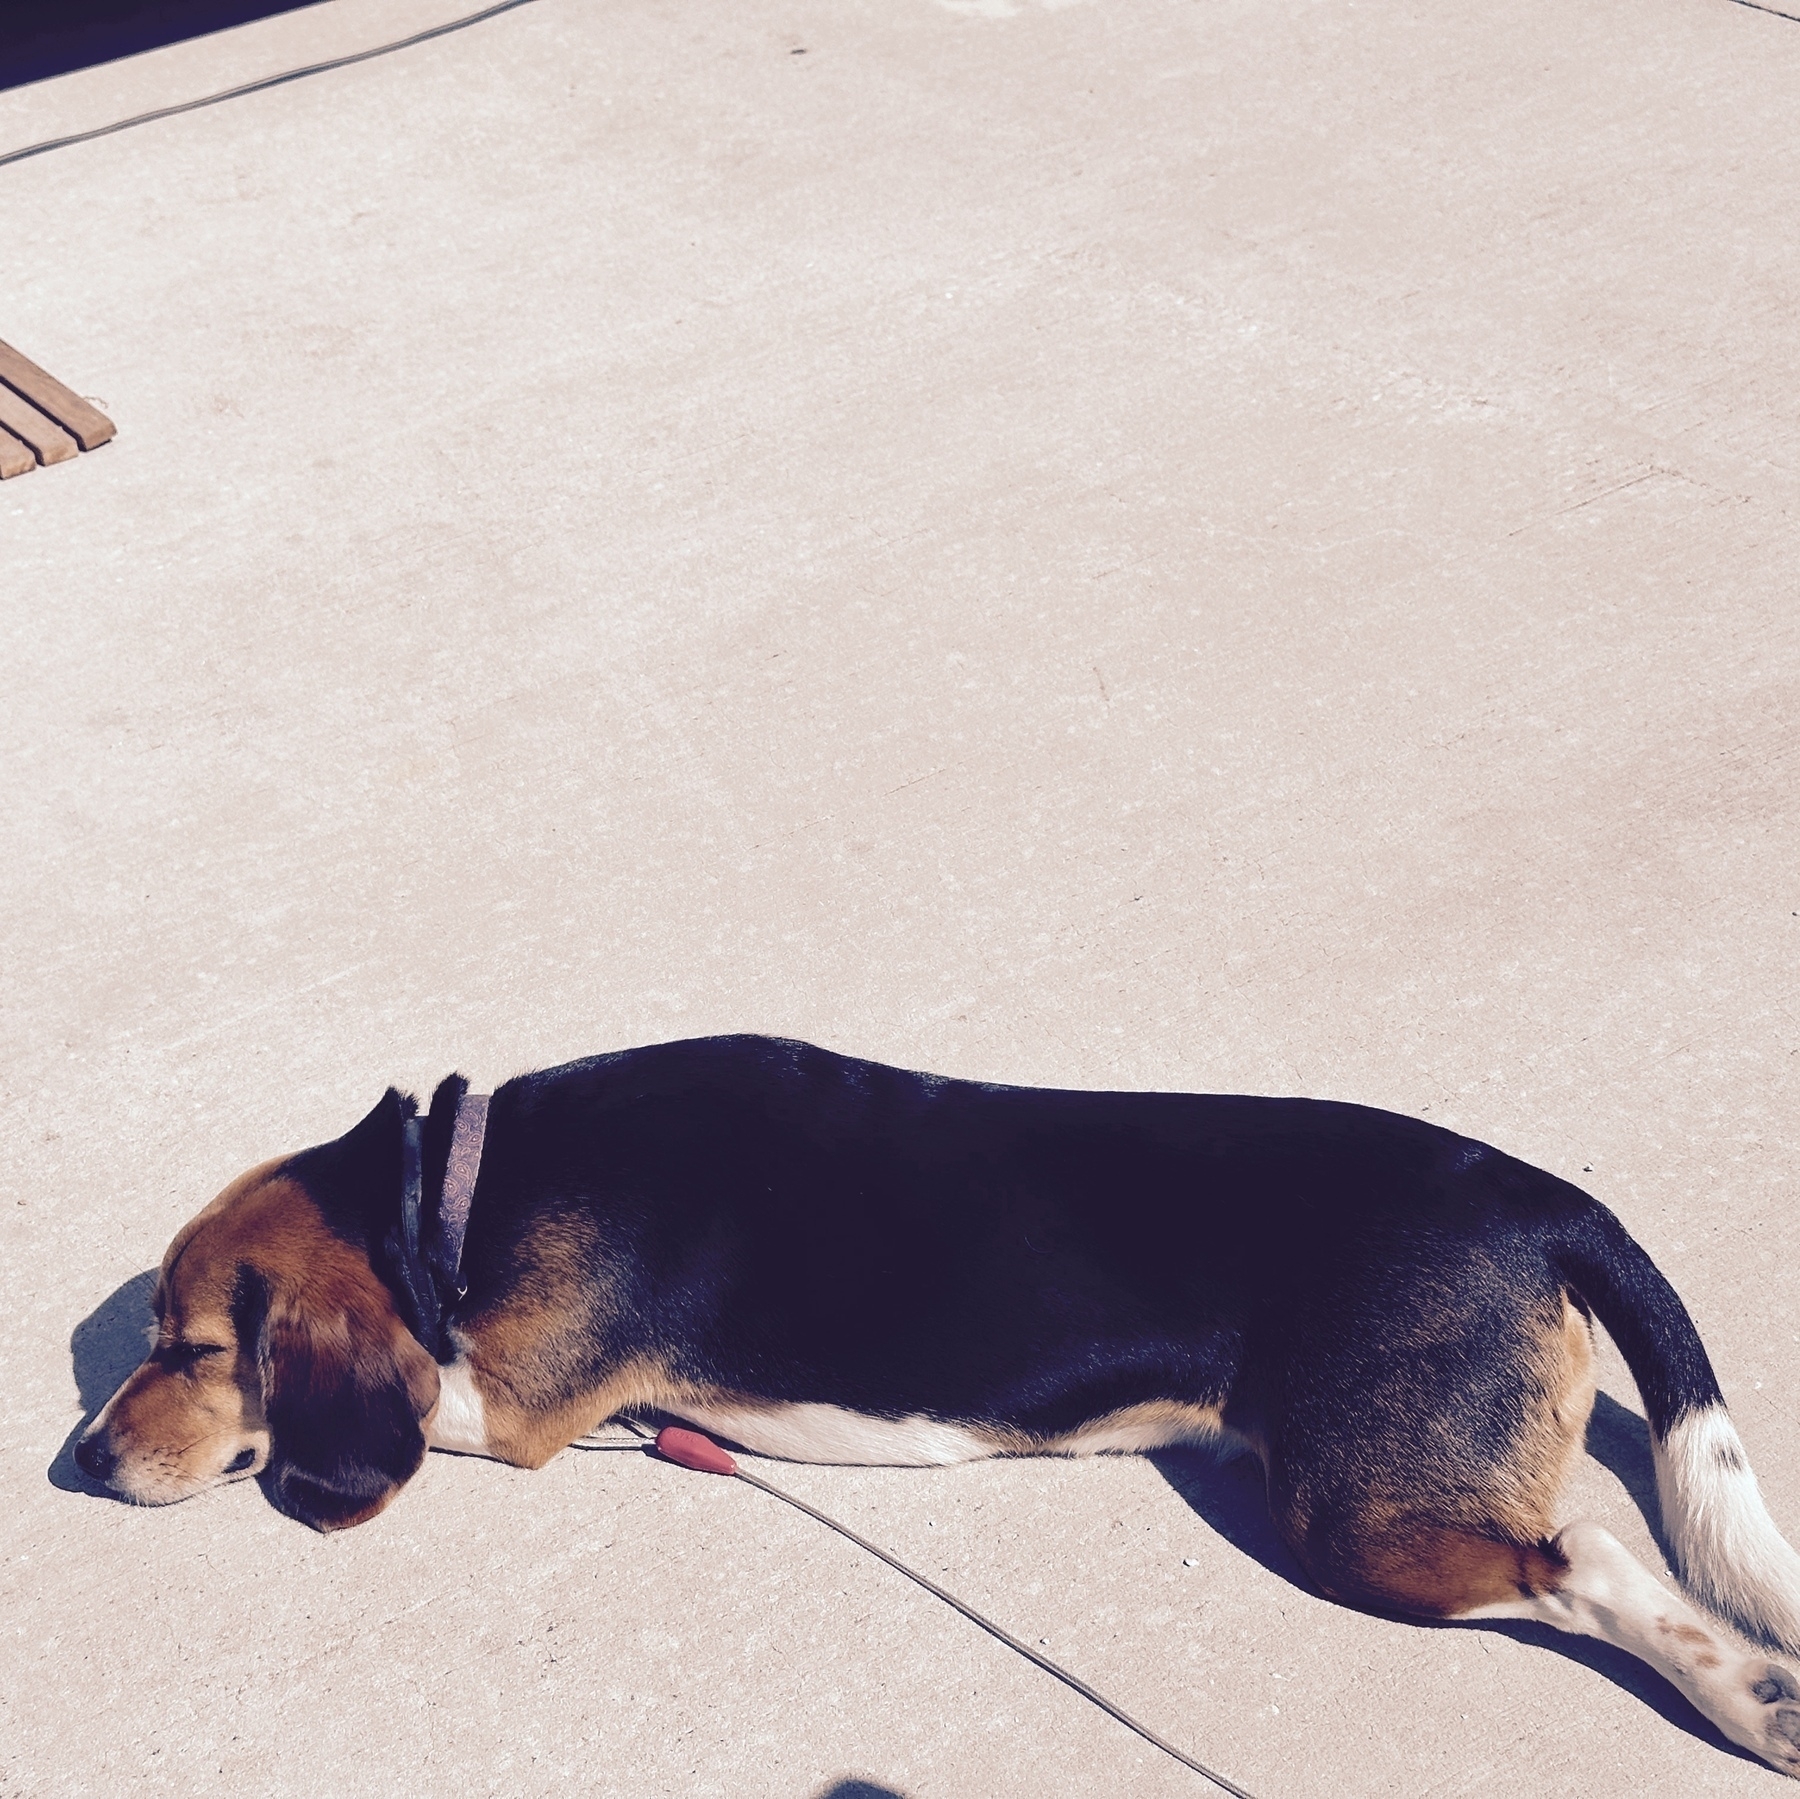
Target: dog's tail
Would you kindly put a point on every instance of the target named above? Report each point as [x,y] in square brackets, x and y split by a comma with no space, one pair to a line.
[1727,1550]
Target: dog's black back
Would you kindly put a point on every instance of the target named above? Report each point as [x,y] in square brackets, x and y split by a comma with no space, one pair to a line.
[813,1228]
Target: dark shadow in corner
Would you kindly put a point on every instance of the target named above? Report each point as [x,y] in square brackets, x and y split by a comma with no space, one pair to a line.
[1231,1498]
[859,1789]
[262,84]
[77,34]
[104,1347]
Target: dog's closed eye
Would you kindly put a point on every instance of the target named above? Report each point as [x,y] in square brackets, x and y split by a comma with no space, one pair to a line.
[240,1461]
[185,1355]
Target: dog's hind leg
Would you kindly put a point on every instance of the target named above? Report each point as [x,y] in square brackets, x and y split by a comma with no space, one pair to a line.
[1437,1498]
[1601,1590]
[1581,1580]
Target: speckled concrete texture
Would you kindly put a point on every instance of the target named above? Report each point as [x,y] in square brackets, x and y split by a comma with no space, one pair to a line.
[1223,545]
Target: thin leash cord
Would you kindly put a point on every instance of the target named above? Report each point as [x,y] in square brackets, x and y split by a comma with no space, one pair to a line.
[1006,1637]
[647,1438]
[257,87]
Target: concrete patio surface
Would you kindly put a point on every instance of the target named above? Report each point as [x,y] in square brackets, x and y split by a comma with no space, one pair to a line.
[1158,543]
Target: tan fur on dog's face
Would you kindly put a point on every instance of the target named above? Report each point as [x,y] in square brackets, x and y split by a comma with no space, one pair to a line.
[189,1415]
[264,1313]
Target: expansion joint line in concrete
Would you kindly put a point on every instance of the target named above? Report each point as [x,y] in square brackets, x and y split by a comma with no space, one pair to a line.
[690,1449]
[267,81]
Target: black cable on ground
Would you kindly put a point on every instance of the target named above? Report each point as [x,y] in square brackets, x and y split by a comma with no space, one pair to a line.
[257,87]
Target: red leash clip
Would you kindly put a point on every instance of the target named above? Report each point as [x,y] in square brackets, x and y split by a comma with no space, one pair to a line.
[694,1451]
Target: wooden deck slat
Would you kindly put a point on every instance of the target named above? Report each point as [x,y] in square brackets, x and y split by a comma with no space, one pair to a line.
[45,436]
[15,457]
[89,427]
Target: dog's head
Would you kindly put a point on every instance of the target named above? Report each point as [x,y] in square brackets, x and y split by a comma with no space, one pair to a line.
[277,1348]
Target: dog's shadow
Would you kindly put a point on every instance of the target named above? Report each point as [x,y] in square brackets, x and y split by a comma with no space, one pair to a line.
[104,1347]
[1231,1498]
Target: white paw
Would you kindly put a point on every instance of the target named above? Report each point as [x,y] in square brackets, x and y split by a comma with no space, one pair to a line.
[1772,1714]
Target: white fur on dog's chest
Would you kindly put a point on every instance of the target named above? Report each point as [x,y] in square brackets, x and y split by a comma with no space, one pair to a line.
[460,1421]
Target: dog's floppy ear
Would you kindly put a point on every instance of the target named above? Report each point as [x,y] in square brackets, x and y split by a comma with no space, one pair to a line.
[345,1388]
[355,1180]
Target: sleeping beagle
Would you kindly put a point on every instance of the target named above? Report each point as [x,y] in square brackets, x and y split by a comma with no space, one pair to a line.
[830,1260]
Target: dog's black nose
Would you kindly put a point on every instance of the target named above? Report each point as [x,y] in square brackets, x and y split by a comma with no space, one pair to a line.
[94,1456]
